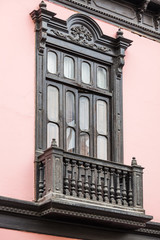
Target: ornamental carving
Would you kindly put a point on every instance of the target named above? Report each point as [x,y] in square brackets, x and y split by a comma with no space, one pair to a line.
[120,64]
[81,35]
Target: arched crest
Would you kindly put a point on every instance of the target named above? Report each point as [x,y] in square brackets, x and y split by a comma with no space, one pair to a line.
[84,27]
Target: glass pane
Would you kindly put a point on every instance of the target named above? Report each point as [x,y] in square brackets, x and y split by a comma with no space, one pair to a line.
[53,104]
[86,73]
[102,147]
[84,144]
[68,67]
[101,78]
[70,109]
[52,62]
[70,140]
[101,117]
[84,114]
[52,132]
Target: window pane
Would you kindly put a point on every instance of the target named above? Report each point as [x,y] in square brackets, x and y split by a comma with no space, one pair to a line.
[52,62]
[52,132]
[70,109]
[84,144]
[102,147]
[101,117]
[70,140]
[86,73]
[68,67]
[84,114]
[53,104]
[101,78]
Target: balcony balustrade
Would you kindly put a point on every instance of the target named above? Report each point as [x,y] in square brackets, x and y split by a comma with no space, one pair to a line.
[64,175]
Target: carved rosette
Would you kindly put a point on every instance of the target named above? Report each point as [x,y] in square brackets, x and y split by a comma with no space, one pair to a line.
[81,34]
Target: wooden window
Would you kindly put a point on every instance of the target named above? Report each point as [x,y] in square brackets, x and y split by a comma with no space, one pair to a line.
[79,87]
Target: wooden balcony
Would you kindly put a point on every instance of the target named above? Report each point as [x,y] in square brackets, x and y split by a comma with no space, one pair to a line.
[92,185]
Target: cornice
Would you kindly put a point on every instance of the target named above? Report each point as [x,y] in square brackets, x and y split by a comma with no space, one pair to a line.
[29,216]
[141,18]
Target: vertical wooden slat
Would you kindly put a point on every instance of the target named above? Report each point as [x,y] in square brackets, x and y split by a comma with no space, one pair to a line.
[79,181]
[66,180]
[86,184]
[73,181]
[41,180]
[93,187]
[130,193]
[118,192]
[105,190]
[99,184]
[112,191]
[124,192]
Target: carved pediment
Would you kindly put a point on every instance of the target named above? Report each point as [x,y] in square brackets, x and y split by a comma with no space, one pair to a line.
[81,35]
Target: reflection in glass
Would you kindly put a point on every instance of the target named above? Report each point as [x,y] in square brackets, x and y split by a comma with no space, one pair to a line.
[86,73]
[52,132]
[101,78]
[84,144]
[102,147]
[68,67]
[53,104]
[70,140]
[70,109]
[84,113]
[101,117]
[52,62]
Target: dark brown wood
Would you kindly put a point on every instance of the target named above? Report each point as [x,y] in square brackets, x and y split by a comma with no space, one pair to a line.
[79,181]
[73,181]
[112,187]
[124,192]
[137,15]
[105,189]
[93,181]
[66,180]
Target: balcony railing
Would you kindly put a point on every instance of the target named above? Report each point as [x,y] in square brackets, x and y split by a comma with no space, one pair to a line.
[71,176]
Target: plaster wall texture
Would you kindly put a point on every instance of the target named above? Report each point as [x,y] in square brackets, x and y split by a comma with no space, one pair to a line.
[18,235]
[141,103]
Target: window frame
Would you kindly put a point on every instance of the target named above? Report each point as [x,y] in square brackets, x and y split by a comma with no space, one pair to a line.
[53,33]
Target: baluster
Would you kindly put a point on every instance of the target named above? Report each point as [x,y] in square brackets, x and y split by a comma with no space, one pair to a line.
[41,180]
[93,187]
[66,179]
[105,190]
[118,192]
[130,194]
[86,184]
[112,191]
[73,180]
[124,192]
[79,182]
[99,184]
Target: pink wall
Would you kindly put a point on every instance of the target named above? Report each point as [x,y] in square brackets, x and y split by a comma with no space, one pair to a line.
[17,103]
[17,235]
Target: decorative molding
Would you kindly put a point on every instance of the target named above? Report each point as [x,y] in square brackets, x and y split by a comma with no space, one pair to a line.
[120,64]
[111,11]
[81,35]
[157,21]
[42,218]
[142,9]
[92,216]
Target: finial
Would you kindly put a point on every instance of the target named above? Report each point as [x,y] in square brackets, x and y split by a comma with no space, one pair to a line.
[43,5]
[134,161]
[119,33]
[53,143]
